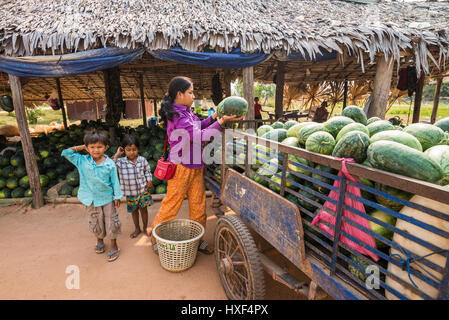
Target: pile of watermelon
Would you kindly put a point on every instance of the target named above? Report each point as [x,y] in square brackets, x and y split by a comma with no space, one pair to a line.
[53,168]
[419,151]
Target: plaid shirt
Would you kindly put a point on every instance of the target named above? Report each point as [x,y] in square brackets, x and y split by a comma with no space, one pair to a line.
[133,176]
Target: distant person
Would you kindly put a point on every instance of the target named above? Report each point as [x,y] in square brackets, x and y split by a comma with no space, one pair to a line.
[99,189]
[257,111]
[321,113]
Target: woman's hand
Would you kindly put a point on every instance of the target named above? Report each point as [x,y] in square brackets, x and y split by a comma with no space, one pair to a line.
[225,119]
[118,153]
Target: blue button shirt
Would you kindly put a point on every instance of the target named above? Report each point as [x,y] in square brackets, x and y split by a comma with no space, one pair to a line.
[99,183]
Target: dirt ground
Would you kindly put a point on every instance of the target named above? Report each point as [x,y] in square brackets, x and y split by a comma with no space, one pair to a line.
[37,247]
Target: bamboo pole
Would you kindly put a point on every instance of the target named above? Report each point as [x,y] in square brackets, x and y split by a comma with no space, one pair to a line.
[142,100]
[418,99]
[248,93]
[436,100]
[382,83]
[25,137]
[345,95]
[61,103]
[279,98]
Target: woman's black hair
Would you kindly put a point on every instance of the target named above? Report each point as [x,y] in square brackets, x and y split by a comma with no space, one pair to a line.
[95,136]
[175,85]
[129,141]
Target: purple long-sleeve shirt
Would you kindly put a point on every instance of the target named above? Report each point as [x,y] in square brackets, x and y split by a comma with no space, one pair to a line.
[186,135]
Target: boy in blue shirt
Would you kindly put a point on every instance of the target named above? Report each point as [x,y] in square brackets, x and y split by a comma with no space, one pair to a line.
[99,189]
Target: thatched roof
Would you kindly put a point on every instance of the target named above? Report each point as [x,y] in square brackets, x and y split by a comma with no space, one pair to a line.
[31,27]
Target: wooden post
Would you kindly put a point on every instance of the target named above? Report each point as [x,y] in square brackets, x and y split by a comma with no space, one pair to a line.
[27,145]
[248,93]
[114,99]
[227,82]
[436,100]
[345,94]
[155,107]
[97,112]
[418,98]
[382,83]
[61,103]
[142,100]
[279,99]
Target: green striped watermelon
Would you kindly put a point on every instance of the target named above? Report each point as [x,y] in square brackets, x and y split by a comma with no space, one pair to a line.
[443,124]
[352,127]
[372,119]
[398,136]
[293,131]
[306,131]
[335,124]
[278,125]
[232,105]
[397,158]
[289,124]
[355,113]
[263,129]
[320,142]
[440,154]
[427,134]
[378,126]
[353,144]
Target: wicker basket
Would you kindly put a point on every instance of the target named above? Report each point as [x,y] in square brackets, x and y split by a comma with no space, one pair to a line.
[177,242]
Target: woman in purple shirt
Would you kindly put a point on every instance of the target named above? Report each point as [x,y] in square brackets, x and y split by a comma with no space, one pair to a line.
[186,134]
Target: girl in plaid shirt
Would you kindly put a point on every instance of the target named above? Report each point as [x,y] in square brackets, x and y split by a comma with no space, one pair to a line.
[135,181]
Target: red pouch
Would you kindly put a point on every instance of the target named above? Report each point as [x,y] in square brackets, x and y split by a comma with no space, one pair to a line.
[165,170]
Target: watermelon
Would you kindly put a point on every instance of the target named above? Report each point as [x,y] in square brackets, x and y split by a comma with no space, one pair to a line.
[8,154]
[277,125]
[161,189]
[397,158]
[290,141]
[269,168]
[440,154]
[263,129]
[51,175]
[20,172]
[372,119]
[307,205]
[2,183]
[49,163]
[443,124]
[159,146]
[275,135]
[445,140]
[6,103]
[335,124]
[355,113]
[18,161]
[353,144]
[24,182]
[8,172]
[43,179]
[355,270]
[352,127]
[18,192]
[75,192]
[292,166]
[232,105]
[12,183]
[5,193]
[293,131]
[393,205]
[66,190]
[322,178]
[156,181]
[28,193]
[44,153]
[378,126]
[427,134]
[277,180]
[4,162]
[320,142]
[289,124]
[398,136]
[73,178]
[307,130]
[380,230]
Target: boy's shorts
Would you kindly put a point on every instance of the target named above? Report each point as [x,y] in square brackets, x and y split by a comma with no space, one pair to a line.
[141,201]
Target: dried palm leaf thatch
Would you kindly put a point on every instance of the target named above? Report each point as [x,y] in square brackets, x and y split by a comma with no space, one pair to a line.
[358,91]
[335,94]
[293,92]
[33,27]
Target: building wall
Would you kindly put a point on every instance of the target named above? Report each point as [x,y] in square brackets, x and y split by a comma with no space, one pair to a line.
[87,109]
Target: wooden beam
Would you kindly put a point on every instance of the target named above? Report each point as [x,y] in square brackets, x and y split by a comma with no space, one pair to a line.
[436,100]
[382,83]
[27,145]
[248,92]
[61,103]
[279,99]
[142,100]
[418,98]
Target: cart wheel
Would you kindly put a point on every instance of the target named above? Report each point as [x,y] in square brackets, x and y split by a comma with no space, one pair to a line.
[238,261]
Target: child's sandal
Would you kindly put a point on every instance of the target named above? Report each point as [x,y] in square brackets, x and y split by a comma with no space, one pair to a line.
[99,249]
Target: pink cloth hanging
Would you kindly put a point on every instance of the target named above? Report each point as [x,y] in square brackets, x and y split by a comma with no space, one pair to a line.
[349,229]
